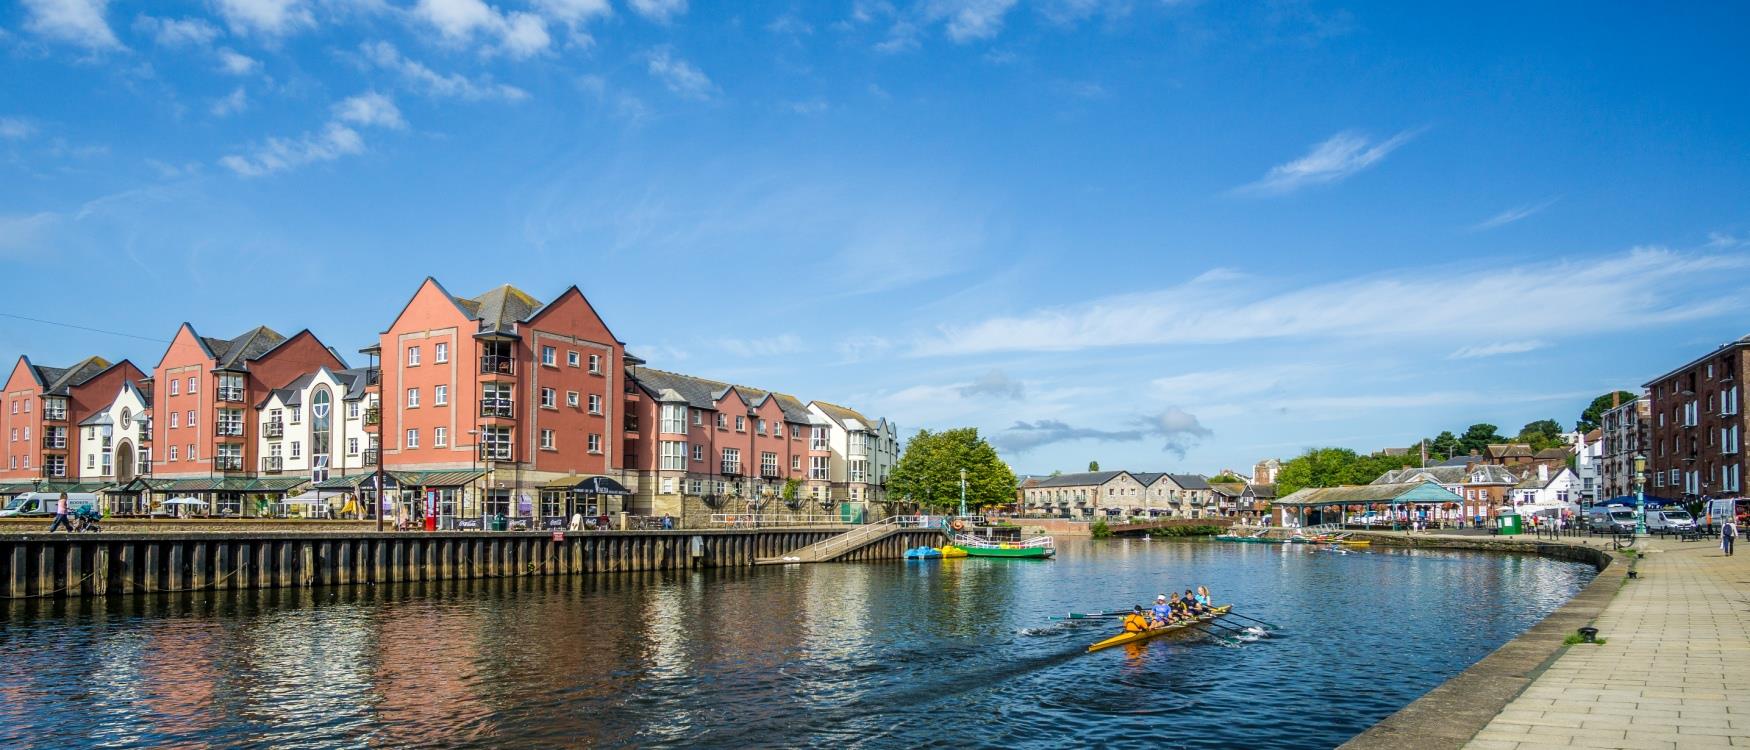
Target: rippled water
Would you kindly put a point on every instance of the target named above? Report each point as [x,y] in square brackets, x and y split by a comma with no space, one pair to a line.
[900,654]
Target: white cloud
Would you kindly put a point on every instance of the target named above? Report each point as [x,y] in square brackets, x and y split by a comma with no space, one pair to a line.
[680,76]
[1214,385]
[994,383]
[901,37]
[230,104]
[336,139]
[177,32]
[1428,301]
[518,34]
[370,109]
[1496,349]
[790,24]
[772,346]
[16,128]
[1512,214]
[969,20]
[1178,429]
[79,22]
[432,83]
[1342,155]
[266,17]
[660,11]
[574,12]
[237,63]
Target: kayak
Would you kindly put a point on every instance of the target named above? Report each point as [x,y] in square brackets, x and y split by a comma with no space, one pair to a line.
[1123,638]
[1247,539]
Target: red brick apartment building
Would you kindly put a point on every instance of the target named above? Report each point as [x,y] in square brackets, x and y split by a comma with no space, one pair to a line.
[1697,425]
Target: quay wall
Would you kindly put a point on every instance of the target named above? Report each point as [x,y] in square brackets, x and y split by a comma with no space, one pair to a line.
[1448,716]
[116,564]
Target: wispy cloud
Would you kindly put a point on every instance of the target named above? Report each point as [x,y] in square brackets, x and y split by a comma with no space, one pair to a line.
[969,20]
[1178,429]
[1513,214]
[1372,307]
[994,383]
[177,32]
[787,343]
[1496,349]
[516,33]
[16,128]
[77,22]
[432,83]
[680,76]
[237,63]
[1340,156]
[266,17]
[338,138]
[230,104]
[660,11]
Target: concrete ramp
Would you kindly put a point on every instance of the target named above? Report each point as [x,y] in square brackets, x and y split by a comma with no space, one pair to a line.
[850,541]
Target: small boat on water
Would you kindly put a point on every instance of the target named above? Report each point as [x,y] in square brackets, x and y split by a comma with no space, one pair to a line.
[949,550]
[1124,638]
[1038,548]
[1247,539]
[923,553]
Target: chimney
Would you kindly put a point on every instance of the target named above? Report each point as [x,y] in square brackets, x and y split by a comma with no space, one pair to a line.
[1615,399]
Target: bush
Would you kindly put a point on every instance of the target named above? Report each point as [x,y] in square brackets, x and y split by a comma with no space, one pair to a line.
[1183,531]
[1100,530]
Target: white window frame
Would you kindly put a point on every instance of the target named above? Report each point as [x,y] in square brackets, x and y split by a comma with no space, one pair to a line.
[440,352]
[175,390]
[595,403]
[411,439]
[573,359]
[440,395]
[595,364]
[595,442]
[549,398]
[413,356]
[572,399]
[440,437]
[413,398]
[549,356]
[547,438]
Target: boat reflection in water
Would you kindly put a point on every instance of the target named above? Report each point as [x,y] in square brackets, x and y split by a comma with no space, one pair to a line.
[872,654]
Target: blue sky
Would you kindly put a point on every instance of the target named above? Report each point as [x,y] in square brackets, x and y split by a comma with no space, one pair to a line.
[1163,235]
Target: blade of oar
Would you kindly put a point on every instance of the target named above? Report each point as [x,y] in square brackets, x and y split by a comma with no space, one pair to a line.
[1254,619]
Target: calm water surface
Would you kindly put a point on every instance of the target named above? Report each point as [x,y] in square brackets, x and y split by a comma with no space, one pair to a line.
[899,654]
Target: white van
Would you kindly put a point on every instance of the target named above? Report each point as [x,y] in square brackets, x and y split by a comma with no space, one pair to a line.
[1609,518]
[43,503]
[1670,520]
[1717,512]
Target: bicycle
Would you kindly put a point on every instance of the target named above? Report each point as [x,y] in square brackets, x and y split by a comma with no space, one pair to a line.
[1622,539]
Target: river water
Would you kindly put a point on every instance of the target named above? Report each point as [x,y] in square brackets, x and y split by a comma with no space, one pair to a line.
[898,654]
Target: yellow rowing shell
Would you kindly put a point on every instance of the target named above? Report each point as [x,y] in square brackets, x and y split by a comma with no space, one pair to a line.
[1123,638]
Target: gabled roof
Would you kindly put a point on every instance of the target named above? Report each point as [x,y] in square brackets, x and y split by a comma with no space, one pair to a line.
[234,354]
[794,410]
[499,309]
[1509,450]
[1081,479]
[99,418]
[1481,474]
[1147,477]
[1228,489]
[845,416]
[58,380]
[1370,493]
[1262,491]
[1552,453]
[352,383]
[1191,481]
[703,393]
[1532,482]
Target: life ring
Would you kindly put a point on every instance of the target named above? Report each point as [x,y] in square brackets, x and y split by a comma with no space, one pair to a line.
[957,525]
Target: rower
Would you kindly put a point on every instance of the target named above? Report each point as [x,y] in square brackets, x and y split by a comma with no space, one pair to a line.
[1163,612]
[1178,607]
[1196,605]
[1135,622]
[1203,596]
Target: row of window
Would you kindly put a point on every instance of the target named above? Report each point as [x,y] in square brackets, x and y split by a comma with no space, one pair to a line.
[193,385]
[673,421]
[497,396]
[498,440]
[549,357]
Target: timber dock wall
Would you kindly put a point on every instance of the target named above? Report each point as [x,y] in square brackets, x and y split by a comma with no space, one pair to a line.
[89,565]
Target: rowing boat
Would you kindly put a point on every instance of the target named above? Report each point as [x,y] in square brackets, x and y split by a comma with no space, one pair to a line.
[1124,638]
[1037,548]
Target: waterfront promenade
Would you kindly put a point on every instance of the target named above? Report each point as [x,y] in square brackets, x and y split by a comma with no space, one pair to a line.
[1677,650]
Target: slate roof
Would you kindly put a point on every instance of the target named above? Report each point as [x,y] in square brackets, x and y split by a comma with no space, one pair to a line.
[100,418]
[57,381]
[1491,474]
[1509,450]
[1263,491]
[1191,481]
[1531,481]
[234,354]
[1228,489]
[703,393]
[501,308]
[1552,454]
[1147,477]
[1464,460]
[1081,479]
[1362,493]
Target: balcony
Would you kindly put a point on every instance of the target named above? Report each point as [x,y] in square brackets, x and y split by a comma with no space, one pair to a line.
[230,393]
[732,468]
[370,456]
[145,435]
[496,453]
[502,408]
[818,445]
[374,376]
[55,415]
[228,463]
[228,429]
[373,416]
[145,468]
[55,442]
[497,364]
[273,429]
[273,464]
[769,472]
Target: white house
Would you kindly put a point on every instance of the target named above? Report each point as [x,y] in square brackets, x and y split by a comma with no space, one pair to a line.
[314,427]
[1588,463]
[863,450]
[114,447]
[1546,486]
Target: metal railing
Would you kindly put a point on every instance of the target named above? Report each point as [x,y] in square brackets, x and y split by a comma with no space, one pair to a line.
[859,536]
[373,415]
[763,520]
[228,429]
[273,464]
[497,364]
[374,376]
[55,442]
[732,468]
[230,393]
[228,463]
[55,415]
[371,457]
[496,453]
[273,429]
[497,407]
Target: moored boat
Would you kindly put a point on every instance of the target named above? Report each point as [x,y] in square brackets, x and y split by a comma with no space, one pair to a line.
[923,553]
[949,550]
[1124,638]
[1037,548]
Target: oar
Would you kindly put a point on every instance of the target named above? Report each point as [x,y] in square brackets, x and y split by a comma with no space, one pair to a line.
[1254,619]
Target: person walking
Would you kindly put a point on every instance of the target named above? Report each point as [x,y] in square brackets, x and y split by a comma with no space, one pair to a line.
[1728,534]
[61,520]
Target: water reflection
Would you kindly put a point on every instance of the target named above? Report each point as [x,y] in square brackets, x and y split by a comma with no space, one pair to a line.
[880,654]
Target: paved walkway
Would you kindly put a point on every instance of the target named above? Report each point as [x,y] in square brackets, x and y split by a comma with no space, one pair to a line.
[1672,674]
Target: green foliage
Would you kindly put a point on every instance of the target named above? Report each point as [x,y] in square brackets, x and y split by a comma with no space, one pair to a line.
[1575,640]
[1479,436]
[1226,479]
[1594,413]
[1093,466]
[1334,467]
[1444,445]
[1172,532]
[1100,530]
[792,487]
[929,470]
[1057,472]
[1544,433]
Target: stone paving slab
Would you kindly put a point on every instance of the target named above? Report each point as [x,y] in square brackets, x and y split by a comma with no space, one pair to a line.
[1671,675]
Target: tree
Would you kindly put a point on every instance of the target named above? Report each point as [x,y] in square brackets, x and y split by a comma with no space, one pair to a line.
[1335,467]
[1444,445]
[1594,413]
[1479,436]
[1225,478]
[929,470]
[1093,466]
[1544,433]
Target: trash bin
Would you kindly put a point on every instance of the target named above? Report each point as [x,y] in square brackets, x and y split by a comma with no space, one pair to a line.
[1508,523]
[499,522]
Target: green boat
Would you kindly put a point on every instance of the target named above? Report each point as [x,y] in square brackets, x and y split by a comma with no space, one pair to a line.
[1037,548]
[1247,539]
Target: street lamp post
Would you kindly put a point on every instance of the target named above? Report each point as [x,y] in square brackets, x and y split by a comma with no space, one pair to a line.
[962,493]
[1640,495]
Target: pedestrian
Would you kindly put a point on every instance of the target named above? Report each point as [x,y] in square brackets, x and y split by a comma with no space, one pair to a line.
[1728,534]
[61,520]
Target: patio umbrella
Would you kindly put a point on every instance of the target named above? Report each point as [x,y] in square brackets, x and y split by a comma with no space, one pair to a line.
[186,501]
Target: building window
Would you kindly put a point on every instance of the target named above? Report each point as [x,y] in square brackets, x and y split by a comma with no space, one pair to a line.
[412,438]
[297,413]
[573,358]
[413,356]
[817,467]
[698,418]
[795,463]
[352,446]
[768,464]
[440,395]
[549,356]
[297,449]
[175,386]
[674,419]
[173,423]
[698,452]
[440,437]
[546,440]
[740,423]
[413,398]
[595,442]
[440,352]
[193,385]
[759,427]
[674,456]
[190,454]
[722,421]
[595,404]
[173,453]
[190,420]
[352,410]
[796,431]
[549,398]
[595,363]
[571,399]
[731,460]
